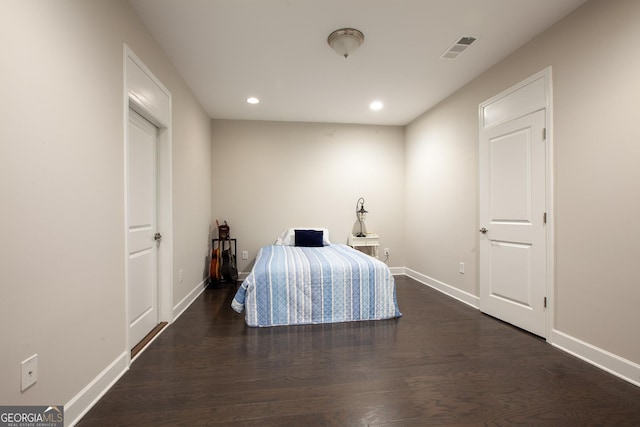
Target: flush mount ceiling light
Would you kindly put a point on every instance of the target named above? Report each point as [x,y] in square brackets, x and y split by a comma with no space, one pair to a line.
[253,100]
[345,40]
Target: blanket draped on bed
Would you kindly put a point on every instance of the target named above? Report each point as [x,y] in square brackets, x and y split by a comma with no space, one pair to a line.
[291,285]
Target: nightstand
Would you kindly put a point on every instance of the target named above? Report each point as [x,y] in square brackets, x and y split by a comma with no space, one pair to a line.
[368,244]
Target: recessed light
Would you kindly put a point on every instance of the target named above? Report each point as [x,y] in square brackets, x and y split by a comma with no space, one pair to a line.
[253,100]
[376,105]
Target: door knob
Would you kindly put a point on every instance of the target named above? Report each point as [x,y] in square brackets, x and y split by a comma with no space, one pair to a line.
[157,237]
[483,230]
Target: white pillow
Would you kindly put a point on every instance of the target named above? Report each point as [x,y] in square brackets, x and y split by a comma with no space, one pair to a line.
[288,236]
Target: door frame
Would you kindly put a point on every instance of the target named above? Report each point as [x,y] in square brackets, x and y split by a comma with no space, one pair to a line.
[147,96]
[484,120]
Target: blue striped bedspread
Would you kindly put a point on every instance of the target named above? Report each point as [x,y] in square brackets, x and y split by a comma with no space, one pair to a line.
[292,285]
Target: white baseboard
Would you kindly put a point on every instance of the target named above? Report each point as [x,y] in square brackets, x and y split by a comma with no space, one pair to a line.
[80,404]
[180,307]
[398,271]
[612,363]
[449,290]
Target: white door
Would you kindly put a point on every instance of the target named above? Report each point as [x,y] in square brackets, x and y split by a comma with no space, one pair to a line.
[142,218]
[512,220]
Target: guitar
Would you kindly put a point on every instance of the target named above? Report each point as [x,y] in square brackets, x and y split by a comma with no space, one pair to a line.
[228,268]
[219,262]
[216,260]
[213,267]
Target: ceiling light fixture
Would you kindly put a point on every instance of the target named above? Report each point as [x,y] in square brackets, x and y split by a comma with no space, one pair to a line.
[345,40]
[376,105]
[253,100]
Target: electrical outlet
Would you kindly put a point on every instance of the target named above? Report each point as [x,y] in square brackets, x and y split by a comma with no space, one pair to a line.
[461,268]
[386,251]
[180,275]
[245,254]
[29,372]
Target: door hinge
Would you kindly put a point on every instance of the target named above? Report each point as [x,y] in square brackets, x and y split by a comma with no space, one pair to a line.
[545,302]
[544,134]
[544,218]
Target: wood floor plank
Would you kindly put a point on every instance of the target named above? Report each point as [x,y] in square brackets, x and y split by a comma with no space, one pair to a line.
[443,363]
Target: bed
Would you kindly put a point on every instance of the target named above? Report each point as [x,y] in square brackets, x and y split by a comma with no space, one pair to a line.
[310,280]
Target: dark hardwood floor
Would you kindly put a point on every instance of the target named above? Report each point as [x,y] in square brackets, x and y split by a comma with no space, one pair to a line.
[441,364]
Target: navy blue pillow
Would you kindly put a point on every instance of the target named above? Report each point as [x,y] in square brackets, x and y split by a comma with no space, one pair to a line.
[311,238]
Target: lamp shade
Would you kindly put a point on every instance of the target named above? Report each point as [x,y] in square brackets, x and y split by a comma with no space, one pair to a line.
[345,40]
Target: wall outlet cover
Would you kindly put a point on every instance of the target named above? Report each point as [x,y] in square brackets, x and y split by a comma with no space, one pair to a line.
[29,372]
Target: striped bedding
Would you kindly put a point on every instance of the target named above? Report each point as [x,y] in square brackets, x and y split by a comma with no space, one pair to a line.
[292,285]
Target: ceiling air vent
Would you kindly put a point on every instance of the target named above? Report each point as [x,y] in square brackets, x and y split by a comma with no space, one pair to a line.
[458,47]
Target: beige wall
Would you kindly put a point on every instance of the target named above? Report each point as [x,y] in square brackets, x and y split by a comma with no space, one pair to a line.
[441,194]
[597,149]
[268,176]
[62,186]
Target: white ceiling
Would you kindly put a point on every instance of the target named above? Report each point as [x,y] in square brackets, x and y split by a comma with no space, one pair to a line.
[276,50]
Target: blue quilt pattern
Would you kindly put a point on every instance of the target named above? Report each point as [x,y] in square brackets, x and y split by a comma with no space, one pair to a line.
[291,285]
